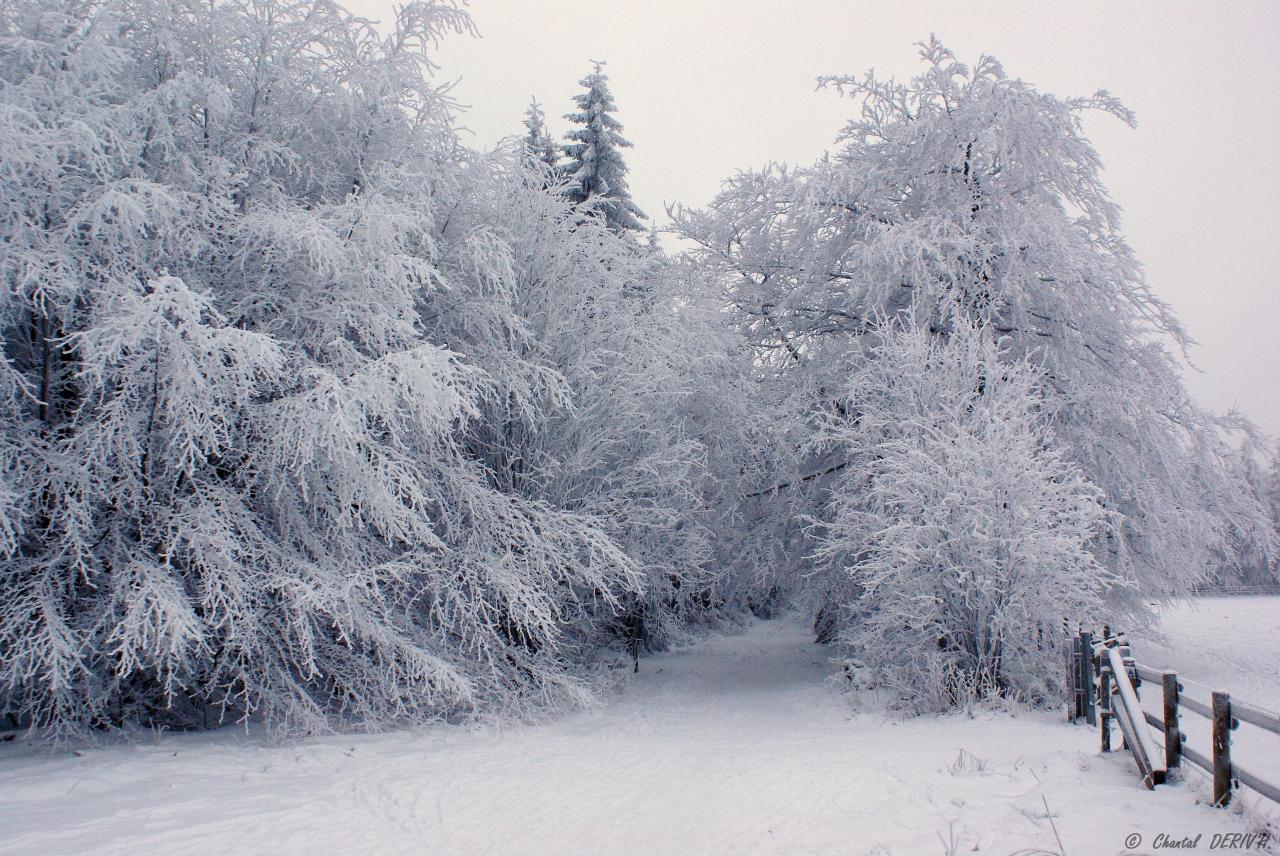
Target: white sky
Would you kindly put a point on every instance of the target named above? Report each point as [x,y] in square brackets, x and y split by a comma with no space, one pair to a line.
[706,87]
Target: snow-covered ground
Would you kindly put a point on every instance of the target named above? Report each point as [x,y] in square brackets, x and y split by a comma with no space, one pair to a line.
[736,745]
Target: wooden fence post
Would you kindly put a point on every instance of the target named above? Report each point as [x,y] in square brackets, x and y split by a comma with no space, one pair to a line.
[1086,675]
[1070,683]
[1172,734]
[1104,707]
[1070,680]
[1221,748]
[1073,680]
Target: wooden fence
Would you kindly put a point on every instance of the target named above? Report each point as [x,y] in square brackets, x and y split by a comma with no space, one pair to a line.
[1104,682]
[1237,590]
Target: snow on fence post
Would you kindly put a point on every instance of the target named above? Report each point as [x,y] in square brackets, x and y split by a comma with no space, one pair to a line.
[1172,735]
[1221,748]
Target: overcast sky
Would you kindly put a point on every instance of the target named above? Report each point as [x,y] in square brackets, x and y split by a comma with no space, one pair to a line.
[706,87]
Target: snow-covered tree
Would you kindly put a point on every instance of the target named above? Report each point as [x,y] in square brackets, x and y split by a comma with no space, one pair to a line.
[1249,561]
[756,504]
[965,194]
[959,536]
[1271,487]
[311,415]
[596,170]
[239,464]
[628,364]
[538,145]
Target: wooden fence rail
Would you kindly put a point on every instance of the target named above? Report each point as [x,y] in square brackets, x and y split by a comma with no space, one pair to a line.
[1123,706]
[1237,590]
[1115,694]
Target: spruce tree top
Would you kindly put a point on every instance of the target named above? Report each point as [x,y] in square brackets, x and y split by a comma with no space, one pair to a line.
[595,165]
[537,142]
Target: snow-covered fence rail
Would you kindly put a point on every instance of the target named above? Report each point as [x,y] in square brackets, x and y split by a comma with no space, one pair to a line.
[1104,680]
[1256,590]
[1103,683]
[1119,701]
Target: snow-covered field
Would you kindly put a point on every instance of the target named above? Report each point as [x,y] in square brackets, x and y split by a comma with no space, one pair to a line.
[1225,643]
[736,745]
[1221,643]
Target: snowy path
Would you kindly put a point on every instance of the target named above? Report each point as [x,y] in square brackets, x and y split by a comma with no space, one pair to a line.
[733,746]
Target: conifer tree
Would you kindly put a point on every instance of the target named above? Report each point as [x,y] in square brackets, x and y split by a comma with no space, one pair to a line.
[595,158]
[654,245]
[538,145]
